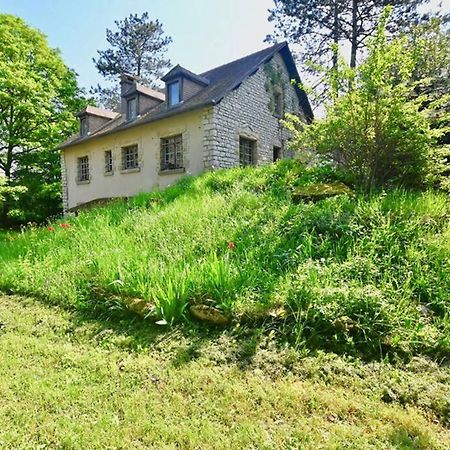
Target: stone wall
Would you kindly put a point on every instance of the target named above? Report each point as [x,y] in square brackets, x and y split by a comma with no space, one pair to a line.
[249,111]
[65,197]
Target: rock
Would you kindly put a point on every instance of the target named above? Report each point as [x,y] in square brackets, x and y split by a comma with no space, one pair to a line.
[141,307]
[319,191]
[210,314]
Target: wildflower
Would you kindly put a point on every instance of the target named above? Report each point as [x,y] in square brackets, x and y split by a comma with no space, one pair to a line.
[65,225]
[50,229]
[231,245]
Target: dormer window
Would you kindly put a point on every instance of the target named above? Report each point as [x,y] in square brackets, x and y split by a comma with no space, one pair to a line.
[173,90]
[132,108]
[84,126]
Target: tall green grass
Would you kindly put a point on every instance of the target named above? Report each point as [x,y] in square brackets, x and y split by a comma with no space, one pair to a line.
[364,274]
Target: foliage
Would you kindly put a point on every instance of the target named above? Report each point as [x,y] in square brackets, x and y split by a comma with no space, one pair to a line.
[9,193]
[430,43]
[316,24]
[66,380]
[366,275]
[376,126]
[38,99]
[137,48]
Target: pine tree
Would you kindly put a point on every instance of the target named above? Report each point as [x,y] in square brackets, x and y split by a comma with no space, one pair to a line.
[317,24]
[137,47]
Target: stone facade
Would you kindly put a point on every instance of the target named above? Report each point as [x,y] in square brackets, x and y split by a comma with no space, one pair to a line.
[65,193]
[249,112]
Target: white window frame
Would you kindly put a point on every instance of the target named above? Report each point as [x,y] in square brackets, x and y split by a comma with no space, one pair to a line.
[108,159]
[84,126]
[130,157]
[83,171]
[171,153]
[132,108]
[171,101]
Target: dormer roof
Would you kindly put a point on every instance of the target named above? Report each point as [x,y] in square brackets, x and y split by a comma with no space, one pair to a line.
[99,112]
[144,90]
[179,72]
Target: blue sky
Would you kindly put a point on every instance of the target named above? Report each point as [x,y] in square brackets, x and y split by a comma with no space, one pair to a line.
[205,33]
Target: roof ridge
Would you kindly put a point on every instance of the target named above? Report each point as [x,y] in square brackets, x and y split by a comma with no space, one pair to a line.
[96,111]
[271,47]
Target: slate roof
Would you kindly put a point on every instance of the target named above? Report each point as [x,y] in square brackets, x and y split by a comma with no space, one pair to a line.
[178,71]
[222,80]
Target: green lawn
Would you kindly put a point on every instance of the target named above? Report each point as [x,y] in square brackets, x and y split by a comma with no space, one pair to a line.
[68,381]
[366,275]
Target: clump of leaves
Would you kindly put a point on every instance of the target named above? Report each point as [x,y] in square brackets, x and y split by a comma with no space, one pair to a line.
[377,126]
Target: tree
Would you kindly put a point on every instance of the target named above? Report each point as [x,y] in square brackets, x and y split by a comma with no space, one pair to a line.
[376,127]
[138,48]
[9,193]
[317,24]
[38,98]
[430,42]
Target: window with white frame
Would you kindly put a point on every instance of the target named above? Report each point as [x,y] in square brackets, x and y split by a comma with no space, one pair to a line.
[174,93]
[247,150]
[108,161]
[132,108]
[84,126]
[130,157]
[83,168]
[172,153]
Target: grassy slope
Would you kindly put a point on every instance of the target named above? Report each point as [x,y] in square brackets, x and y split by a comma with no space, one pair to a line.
[67,381]
[358,274]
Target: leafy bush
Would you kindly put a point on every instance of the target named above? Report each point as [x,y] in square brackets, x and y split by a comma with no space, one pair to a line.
[377,126]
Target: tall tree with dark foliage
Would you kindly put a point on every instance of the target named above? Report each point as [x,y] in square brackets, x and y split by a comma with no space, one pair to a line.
[137,47]
[317,24]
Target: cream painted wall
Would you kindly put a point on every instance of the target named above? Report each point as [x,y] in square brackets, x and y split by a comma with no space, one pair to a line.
[147,137]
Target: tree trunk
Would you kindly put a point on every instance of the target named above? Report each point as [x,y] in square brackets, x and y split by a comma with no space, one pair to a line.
[354,42]
[335,31]
[8,164]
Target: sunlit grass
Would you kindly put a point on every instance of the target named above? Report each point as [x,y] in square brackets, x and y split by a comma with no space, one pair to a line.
[362,274]
[68,381]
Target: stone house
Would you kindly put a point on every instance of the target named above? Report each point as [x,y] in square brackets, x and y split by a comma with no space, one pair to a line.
[225,117]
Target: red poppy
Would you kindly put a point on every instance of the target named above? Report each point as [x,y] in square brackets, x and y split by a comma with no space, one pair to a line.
[65,225]
[231,245]
[50,229]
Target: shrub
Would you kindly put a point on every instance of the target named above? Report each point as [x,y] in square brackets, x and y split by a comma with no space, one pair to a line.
[376,125]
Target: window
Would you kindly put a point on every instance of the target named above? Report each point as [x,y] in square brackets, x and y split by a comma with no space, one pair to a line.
[83,169]
[84,126]
[174,93]
[130,157]
[172,153]
[108,161]
[132,109]
[246,151]
[278,99]
[276,153]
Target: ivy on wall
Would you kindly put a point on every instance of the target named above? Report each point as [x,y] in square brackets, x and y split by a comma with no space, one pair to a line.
[275,83]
